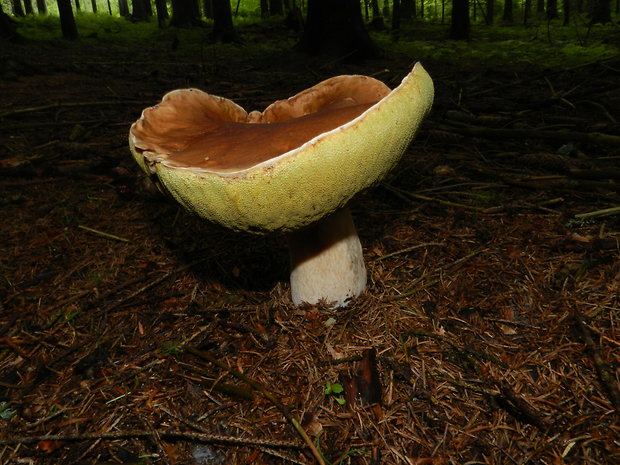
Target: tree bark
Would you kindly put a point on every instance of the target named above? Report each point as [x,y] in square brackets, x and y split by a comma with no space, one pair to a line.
[459,27]
[185,13]
[18,9]
[336,28]
[552,9]
[67,20]
[139,10]
[223,29]
[123,8]
[162,12]
[42,7]
[490,11]
[507,16]
[600,11]
[7,27]
[276,8]
[28,7]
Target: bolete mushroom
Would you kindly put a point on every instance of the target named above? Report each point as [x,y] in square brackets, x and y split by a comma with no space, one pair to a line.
[292,168]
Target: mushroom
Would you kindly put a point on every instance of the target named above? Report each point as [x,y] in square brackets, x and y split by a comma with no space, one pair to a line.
[292,168]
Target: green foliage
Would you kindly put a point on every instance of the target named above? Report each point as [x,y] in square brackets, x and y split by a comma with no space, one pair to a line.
[170,349]
[547,45]
[343,457]
[6,412]
[334,390]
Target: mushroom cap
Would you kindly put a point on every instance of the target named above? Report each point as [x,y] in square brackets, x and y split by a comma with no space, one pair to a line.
[285,168]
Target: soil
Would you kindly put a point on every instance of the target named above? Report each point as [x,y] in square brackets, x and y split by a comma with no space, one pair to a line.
[132,332]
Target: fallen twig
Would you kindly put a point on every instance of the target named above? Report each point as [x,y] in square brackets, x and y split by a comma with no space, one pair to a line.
[594,214]
[604,375]
[268,395]
[167,434]
[103,234]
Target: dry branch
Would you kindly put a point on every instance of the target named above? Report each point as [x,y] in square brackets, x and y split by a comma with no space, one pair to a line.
[166,434]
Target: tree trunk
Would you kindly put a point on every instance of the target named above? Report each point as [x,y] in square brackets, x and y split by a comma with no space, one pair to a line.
[336,28]
[600,11]
[507,16]
[186,13]
[28,7]
[276,8]
[42,7]
[139,10]
[459,28]
[377,18]
[162,12]
[396,18]
[208,8]
[18,9]
[490,11]
[93,4]
[552,9]
[527,11]
[223,29]
[123,8]
[407,10]
[540,6]
[7,27]
[67,20]
[566,6]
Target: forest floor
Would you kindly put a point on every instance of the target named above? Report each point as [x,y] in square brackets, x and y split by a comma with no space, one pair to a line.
[132,332]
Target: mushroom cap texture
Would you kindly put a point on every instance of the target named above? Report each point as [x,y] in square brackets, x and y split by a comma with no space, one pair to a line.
[294,186]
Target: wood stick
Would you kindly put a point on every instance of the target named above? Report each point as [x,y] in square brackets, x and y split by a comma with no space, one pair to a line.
[267,394]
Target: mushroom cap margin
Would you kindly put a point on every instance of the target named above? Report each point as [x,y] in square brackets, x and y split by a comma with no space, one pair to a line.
[299,187]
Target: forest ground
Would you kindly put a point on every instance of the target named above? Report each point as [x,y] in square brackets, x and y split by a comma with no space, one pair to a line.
[129,328]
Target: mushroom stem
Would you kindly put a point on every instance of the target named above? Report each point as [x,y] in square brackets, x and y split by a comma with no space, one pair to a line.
[326,261]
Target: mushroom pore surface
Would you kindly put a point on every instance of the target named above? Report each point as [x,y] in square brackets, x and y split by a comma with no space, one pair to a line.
[230,146]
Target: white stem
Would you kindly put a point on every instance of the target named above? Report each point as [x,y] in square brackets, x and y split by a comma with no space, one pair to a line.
[327,262]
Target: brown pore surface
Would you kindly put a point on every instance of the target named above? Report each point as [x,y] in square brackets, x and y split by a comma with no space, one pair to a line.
[230,146]
[193,129]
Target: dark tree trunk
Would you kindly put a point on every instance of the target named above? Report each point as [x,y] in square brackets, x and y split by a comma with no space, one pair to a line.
[276,7]
[527,11]
[185,13]
[294,17]
[7,27]
[208,8]
[18,9]
[377,18]
[507,16]
[396,18]
[490,12]
[28,7]
[67,20]
[566,6]
[552,9]
[540,6]
[123,8]
[42,7]
[336,28]
[264,8]
[78,6]
[459,27]
[139,10]
[407,10]
[600,11]
[223,29]
[162,12]
[93,4]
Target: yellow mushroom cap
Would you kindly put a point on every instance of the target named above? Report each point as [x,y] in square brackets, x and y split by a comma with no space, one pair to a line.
[289,166]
